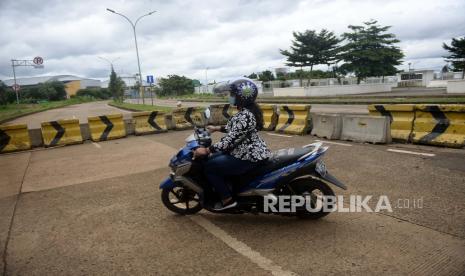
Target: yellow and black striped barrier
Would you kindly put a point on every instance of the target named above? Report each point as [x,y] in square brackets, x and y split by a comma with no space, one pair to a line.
[14,138]
[220,113]
[401,117]
[442,125]
[149,122]
[270,116]
[197,116]
[106,127]
[61,132]
[185,118]
[293,119]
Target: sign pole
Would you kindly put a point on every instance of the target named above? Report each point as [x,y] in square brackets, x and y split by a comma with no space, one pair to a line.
[36,63]
[151,92]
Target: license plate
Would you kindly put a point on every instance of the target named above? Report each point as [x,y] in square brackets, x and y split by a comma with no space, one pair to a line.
[320,168]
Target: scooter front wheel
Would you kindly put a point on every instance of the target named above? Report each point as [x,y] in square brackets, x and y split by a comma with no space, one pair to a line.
[181,200]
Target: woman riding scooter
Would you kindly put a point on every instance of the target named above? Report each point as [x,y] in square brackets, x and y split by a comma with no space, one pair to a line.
[241,149]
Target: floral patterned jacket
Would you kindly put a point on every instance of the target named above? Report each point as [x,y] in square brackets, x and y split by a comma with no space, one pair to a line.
[242,140]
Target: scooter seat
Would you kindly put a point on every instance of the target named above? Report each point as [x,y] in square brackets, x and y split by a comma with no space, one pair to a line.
[279,159]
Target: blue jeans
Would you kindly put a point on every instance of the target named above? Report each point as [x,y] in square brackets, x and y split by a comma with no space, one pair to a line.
[219,167]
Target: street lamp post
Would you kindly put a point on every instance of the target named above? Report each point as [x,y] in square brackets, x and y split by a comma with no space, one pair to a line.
[137,48]
[110,61]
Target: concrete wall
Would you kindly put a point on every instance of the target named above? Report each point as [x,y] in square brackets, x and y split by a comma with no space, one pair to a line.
[456,86]
[332,90]
[289,91]
[437,83]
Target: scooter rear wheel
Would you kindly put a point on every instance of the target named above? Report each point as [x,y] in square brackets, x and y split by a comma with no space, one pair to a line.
[313,188]
[181,200]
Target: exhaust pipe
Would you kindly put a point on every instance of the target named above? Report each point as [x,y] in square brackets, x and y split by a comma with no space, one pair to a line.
[189,184]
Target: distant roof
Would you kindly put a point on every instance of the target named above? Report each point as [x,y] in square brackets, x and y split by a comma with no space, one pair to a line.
[42,79]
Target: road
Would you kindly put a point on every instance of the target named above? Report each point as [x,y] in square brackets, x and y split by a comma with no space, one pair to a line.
[78,111]
[95,209]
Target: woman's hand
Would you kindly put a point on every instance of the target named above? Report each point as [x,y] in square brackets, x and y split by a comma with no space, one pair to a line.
[212,129]
[199,152]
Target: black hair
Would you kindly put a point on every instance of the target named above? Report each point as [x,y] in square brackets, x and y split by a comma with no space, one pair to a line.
[257,112]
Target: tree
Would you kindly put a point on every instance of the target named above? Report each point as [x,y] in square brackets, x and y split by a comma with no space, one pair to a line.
[52,90]
[116,86]
[311,48]
[34,93]
[252,76]
[457,56]
[176,85]
[6,95]
[266,75]
[370,51]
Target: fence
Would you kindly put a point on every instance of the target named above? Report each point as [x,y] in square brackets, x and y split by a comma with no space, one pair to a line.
[268,86]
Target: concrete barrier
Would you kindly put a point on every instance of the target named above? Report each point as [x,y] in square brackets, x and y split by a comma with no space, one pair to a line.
[456,86]
[441,125]
[294,119]
[185,118]
[149,122]
[327,126]
[61,132]
[270,116]
[401,117]
[371,129]
[107,127]
[35,135]
[129,126]
[220,114]
[14,138]
[169,122]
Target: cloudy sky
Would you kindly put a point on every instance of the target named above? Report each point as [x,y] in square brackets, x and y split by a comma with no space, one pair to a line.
[230,37]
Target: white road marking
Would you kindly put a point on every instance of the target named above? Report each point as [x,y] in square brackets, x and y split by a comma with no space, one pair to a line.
[280,135]
[412,152]
[97,145]
[335,143]
[240,247]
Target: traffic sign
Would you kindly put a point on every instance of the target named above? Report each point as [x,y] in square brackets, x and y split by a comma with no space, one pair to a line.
[16,87]
[38,60]
[150,79]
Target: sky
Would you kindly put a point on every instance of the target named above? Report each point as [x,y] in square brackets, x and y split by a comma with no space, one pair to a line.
[231,37]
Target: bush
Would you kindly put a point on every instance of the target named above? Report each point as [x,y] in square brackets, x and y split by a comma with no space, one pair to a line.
[52,91]
[96,93]
[32,93]
[7,95]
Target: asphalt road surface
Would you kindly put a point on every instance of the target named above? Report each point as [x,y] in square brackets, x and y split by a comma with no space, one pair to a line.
[95,209]
[78,111]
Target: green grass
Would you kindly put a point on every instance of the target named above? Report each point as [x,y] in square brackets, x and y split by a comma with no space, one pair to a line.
[140,107]
[12,111]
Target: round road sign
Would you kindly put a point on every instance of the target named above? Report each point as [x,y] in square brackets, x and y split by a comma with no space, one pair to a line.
[38,60]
